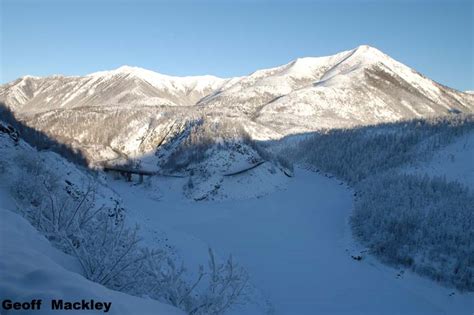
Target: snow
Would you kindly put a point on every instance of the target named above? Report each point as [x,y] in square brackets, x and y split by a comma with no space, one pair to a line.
[31,269]
[291,235]
[296,245]
[455,162]
[361,86]
[162,81]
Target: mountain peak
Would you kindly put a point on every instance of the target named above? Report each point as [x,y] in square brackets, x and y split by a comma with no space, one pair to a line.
[361,55]
[127,68]
[369,54]
[152,76]
[365,47]
[30,77]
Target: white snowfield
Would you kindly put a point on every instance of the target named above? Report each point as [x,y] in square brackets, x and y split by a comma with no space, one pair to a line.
[296,245]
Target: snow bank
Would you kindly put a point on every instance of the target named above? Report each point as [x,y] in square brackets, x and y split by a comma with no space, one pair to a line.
[30,268]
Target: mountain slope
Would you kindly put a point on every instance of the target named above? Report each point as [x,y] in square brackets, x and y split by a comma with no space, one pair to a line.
[350,81]
[365,87]
[125,85]
[356,87]
[28,259]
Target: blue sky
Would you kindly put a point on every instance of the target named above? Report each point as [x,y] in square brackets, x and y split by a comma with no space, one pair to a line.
[231,38]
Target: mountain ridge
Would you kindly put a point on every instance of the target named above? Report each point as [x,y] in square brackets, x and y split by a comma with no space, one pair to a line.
[362,86]
[153,88]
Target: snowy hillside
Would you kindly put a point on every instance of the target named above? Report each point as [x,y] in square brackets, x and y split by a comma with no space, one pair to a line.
[125,85]
[455,162]
[356,87]
[365,87]
[415,220]
[97,249]
[31,267]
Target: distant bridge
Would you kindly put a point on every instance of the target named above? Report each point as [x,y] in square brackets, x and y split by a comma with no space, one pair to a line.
[128,172]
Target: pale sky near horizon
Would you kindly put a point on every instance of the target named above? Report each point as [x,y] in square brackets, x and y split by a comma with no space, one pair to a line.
[231,38]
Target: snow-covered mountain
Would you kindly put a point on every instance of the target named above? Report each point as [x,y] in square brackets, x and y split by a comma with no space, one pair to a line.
[125,85]
[143,109]
[365,86]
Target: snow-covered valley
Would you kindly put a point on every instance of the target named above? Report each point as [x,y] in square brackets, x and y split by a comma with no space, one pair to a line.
[296,244]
